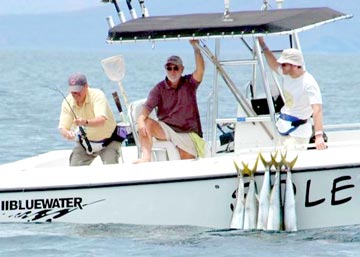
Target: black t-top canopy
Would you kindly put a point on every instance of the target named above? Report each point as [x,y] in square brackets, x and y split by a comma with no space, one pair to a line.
[244,23]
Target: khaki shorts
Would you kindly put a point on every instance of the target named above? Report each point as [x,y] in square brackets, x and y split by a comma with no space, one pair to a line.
[181,140]
[109,155]
[290,142]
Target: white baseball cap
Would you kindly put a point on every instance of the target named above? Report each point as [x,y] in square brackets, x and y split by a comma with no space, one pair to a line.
[292,56]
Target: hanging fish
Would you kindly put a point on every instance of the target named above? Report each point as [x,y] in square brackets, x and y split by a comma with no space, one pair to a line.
[264,198]
[275,207]
[290,221]
[251,204]
[237,219]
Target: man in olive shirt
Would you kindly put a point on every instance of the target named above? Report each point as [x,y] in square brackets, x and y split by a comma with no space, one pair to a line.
[88,108]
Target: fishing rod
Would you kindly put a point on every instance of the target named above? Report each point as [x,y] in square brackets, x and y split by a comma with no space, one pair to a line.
[265,6]
[118,10]
[144,10]
[131,9]
[82,135]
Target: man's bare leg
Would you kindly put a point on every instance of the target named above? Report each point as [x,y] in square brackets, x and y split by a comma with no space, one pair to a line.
[185,155]
[154,130]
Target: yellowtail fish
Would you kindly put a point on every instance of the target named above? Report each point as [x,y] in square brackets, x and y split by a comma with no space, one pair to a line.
[264,198]
[237,219]
[290,221]
[275,208]
[251,204]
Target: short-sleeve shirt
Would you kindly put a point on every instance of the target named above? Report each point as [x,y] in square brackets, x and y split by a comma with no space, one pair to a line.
[300,93]
[176,107]
[95,105]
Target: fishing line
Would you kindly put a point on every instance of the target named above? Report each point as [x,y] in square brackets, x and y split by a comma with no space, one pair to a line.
[64,97]
[43,135]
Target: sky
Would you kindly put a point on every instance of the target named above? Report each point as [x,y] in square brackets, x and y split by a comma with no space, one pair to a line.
[38,17]
[52,6]
[45,6]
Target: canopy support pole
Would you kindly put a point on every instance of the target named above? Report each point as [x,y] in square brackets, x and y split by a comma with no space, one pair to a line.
[241,99]
[266,86]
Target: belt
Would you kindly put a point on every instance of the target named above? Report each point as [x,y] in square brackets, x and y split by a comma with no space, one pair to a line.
[105,142]
[295,122]
[98,141]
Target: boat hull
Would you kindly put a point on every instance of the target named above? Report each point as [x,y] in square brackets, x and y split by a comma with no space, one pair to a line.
[198,192]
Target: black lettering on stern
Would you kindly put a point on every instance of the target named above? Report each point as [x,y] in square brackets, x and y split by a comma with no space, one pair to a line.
[336,189]
[307,197]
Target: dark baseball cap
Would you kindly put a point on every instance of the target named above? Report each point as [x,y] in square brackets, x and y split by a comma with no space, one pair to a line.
[76,82]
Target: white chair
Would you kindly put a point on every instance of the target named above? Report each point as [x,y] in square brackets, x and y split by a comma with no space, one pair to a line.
[162,150]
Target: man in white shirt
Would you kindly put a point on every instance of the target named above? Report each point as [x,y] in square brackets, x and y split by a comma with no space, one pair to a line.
[302,99]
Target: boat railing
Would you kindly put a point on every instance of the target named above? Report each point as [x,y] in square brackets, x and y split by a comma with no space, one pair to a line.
[260,118]
[347,126]
[239,62]
[298,147]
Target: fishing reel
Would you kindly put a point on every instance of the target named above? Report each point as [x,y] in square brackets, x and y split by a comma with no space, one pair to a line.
[83,140]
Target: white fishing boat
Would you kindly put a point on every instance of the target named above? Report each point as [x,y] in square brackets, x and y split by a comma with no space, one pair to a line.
[200,192]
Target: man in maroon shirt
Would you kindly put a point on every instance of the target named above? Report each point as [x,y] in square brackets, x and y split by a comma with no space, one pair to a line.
[175,101]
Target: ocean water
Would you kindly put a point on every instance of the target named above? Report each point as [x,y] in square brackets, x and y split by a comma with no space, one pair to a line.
[47,240]
[29,110]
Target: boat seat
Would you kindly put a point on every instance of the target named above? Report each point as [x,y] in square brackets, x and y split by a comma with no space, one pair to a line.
[251,134]
[162,150]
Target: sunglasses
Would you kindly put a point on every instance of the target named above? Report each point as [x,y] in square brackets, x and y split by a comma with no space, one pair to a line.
[175,68]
